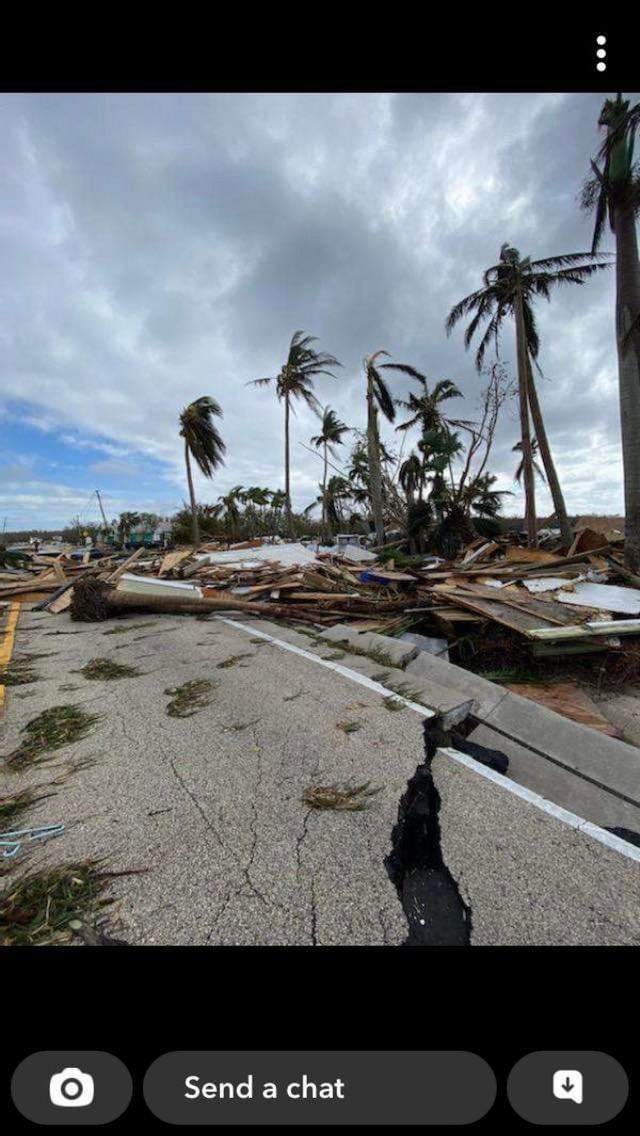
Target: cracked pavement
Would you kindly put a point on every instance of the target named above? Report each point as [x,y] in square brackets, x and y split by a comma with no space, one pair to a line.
[211,804]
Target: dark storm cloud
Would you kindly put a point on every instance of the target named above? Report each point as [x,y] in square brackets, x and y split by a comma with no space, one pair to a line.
[158,247]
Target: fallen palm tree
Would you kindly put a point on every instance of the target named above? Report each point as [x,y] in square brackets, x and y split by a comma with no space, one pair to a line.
[94,600]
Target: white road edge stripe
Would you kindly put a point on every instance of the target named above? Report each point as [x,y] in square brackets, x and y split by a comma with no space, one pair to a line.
[563,815]
[344,671]
[574,821]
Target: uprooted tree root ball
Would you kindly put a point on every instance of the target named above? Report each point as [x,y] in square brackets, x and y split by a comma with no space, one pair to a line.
[88,601]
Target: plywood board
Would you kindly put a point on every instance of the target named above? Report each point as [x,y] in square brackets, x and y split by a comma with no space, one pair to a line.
[568,699]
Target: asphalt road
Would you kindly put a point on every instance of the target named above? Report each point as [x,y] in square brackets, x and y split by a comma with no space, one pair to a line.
[212,804]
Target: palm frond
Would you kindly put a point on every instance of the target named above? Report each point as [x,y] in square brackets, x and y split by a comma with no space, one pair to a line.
[383,396]
[531,329]
[579,275]
[462,308]
[406,370]
[563,261]
[201,435]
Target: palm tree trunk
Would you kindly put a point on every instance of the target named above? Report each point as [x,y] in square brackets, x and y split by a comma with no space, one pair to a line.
[324,496]
[375,473]
[628,341]
[566,532]
[410,504]
[527,458]
[287,469]
[194,507]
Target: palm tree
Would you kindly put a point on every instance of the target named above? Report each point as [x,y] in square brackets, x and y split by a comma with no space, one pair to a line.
[425,409]
[253,498]
[126,524]
[330,436]
[509,289]
[203,442]
[295,380]
[229,502]
[614,192]
[331,496]
[534,453]
[379,399]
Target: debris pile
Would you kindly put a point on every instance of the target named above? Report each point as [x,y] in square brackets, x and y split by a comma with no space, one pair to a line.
[560,604]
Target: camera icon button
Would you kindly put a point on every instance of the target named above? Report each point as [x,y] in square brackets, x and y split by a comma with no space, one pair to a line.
[71,1087]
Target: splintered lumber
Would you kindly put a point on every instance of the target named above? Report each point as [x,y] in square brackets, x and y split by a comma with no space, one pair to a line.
[123,567]
[530,556]
[173,558]
[518,617]
[620,570]
[548,610]
[473,553]
[32,586]
[587,540]
[62,601]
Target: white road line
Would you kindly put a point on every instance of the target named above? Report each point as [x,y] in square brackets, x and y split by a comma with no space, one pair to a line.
[579,823]
[353,676]
[555,811]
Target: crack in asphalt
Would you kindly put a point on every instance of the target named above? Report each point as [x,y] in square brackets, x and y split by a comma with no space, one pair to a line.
[196,803]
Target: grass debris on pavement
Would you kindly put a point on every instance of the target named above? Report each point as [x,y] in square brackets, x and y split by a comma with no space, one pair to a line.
[46,906]
[128,627]
[189,698]
[348,727]
[105,670]
[232,660]
[15,805]
[341,797]
[49,731]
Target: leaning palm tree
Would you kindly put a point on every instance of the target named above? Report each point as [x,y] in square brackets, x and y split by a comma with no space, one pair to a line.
[330,436]
[295,380]
[510,288]
[614,191]
[379,399]
[517,449]
[203,443]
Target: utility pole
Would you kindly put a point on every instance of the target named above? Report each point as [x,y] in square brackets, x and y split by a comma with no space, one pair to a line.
[106,523]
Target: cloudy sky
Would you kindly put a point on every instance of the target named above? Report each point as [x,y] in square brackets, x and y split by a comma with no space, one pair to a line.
[159,247]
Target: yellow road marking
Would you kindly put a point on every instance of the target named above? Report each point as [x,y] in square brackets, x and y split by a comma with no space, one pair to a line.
[6,647]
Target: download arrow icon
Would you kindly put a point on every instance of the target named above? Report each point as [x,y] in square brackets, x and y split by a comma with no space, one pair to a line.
[567,1085]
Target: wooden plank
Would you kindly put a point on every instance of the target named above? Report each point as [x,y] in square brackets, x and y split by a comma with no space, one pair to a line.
[573,647]
[23,589]
[59,573]
[517,619]
[123,567]
[61,603]
[589,630]
[546,609]
[569,700]
[173,558]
